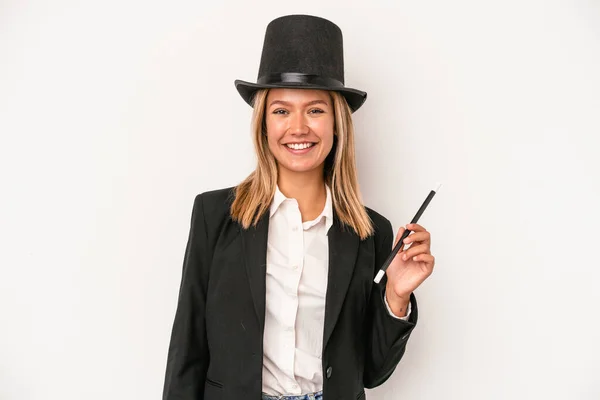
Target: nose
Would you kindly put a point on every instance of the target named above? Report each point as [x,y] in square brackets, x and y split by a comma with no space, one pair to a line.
[298,125]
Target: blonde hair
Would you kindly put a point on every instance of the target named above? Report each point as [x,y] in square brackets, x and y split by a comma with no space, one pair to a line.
[254,195]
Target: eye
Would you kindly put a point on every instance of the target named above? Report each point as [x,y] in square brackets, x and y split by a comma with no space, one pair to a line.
[280,111]
[316,111]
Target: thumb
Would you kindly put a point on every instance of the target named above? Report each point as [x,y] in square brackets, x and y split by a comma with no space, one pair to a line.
[398,236]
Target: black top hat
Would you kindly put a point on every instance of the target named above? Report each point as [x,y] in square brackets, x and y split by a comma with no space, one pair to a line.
[302,51]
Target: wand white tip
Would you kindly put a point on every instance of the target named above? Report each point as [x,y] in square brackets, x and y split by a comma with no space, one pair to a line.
[379,276]
[438,185]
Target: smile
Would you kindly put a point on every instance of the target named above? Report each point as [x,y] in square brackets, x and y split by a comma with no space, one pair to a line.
[299,146]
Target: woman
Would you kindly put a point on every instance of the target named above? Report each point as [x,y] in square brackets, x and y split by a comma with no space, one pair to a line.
[277,299]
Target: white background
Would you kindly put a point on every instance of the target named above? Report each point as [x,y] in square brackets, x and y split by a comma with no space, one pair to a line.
[115,114]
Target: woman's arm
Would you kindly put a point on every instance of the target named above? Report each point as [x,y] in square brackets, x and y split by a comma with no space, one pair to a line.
[188,356]
[386,335]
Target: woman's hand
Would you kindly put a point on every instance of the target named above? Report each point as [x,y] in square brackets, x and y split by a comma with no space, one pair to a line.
[409,268]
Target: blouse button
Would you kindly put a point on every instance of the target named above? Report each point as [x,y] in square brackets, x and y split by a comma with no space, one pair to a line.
[329,370]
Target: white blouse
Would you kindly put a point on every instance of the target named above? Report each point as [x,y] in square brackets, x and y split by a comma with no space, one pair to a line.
[296,284]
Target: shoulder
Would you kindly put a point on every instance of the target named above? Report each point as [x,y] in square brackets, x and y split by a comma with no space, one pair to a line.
[215,204]
[381,225]
[218,197]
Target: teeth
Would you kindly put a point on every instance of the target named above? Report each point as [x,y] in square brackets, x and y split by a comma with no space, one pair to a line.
[299,146]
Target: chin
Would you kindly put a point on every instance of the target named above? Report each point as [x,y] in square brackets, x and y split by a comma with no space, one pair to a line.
[302,168]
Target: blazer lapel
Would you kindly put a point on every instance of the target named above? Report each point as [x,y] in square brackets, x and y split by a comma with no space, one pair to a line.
[343,249]
[254,242]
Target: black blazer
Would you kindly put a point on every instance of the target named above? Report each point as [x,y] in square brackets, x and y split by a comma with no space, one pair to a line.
[217,337]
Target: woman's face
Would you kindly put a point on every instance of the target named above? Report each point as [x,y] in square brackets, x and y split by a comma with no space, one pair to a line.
[300,125]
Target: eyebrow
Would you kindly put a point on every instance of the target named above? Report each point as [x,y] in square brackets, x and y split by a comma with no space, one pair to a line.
[310,103]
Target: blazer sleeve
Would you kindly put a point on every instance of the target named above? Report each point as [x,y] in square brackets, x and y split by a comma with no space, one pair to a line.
[188,356]
[386,336]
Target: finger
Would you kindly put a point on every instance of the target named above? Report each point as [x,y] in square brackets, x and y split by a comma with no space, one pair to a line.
[415,250]
[416,228]
[427,259]
[423,237]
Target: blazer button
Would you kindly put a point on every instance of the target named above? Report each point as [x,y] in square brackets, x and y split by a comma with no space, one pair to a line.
[329,370]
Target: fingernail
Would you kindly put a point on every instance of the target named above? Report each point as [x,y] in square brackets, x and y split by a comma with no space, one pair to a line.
[404,257]
[406,240]
[415,258]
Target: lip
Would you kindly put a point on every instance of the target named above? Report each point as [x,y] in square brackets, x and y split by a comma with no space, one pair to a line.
[301,151]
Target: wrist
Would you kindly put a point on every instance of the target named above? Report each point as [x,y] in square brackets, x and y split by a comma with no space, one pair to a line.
[398,304]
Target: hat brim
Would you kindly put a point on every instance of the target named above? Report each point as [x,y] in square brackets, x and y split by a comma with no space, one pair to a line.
[247,90]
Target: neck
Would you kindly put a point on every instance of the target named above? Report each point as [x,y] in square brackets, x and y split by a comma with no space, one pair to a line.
[307,188]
